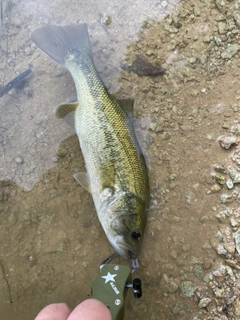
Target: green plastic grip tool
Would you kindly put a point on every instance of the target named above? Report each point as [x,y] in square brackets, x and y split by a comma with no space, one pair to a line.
[112,285]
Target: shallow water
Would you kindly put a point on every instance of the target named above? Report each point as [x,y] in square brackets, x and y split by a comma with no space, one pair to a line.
[51,240]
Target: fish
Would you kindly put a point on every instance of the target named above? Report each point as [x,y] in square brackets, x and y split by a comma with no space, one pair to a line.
[142,67]
[117,175]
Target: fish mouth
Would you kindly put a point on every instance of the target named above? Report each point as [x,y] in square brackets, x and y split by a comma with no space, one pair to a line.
[124,250]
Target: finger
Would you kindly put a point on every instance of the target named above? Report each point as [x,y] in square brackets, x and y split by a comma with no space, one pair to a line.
[90,309]
[56,311]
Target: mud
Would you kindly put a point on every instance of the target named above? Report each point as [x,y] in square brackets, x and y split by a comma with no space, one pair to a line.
[51,240]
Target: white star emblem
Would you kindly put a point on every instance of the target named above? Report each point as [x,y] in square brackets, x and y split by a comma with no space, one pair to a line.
[109,277]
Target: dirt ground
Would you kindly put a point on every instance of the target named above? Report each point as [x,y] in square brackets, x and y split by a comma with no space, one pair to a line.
[187,121]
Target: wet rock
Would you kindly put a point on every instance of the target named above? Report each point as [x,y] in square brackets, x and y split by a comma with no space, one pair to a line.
[204,219]
[233,264]
[220,17]
[221,5]
[186,247]
[207,245]
[219,167]
[220,271]
[62,152]
[231,50]
[204,302]
[187,289]
[229,184]
[237,308]
[170,29]
[233,223]
[237,240]
[168,285]
[219,292]
[235,107]
[177,308]
[196,11]
[222,251]
[192,60]
[173,254]
[218,40]
[19,160]
[106,20]
[230,247]
[208,277]
[227,142]
[230,273]
[207,39]
[153,126]
[159,128]
[85,264]
[221,216]
[226,125]
[190,197]
[172,287]
[202,58]
[222,26]
[186,127]
[235,129]
[219,178]
[164,4]
[206,265]
[199,273]
[225,198]
[236,157]
[234,174]
[194,92]
[236,16]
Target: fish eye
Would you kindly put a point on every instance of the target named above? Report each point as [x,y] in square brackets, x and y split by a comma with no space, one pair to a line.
[136,235]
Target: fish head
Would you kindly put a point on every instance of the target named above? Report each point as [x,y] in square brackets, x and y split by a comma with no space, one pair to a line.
[124,222]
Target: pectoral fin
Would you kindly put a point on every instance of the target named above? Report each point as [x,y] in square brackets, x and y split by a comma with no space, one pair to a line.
[83,179]
[67,112]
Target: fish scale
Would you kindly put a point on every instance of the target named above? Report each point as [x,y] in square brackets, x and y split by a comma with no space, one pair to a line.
[112,122]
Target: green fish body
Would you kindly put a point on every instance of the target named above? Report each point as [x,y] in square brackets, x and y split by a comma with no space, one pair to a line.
[116,171]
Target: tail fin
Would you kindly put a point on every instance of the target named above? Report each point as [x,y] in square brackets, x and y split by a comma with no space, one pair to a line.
[56,41]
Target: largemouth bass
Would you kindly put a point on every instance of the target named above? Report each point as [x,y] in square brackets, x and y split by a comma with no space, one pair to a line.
[116,171]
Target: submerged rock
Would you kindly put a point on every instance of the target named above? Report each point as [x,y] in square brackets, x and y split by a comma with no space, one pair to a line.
[204,302]
[168,285]
[142,67]
[187,289]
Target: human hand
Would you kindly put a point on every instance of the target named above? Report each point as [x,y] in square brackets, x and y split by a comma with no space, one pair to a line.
[90,309]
